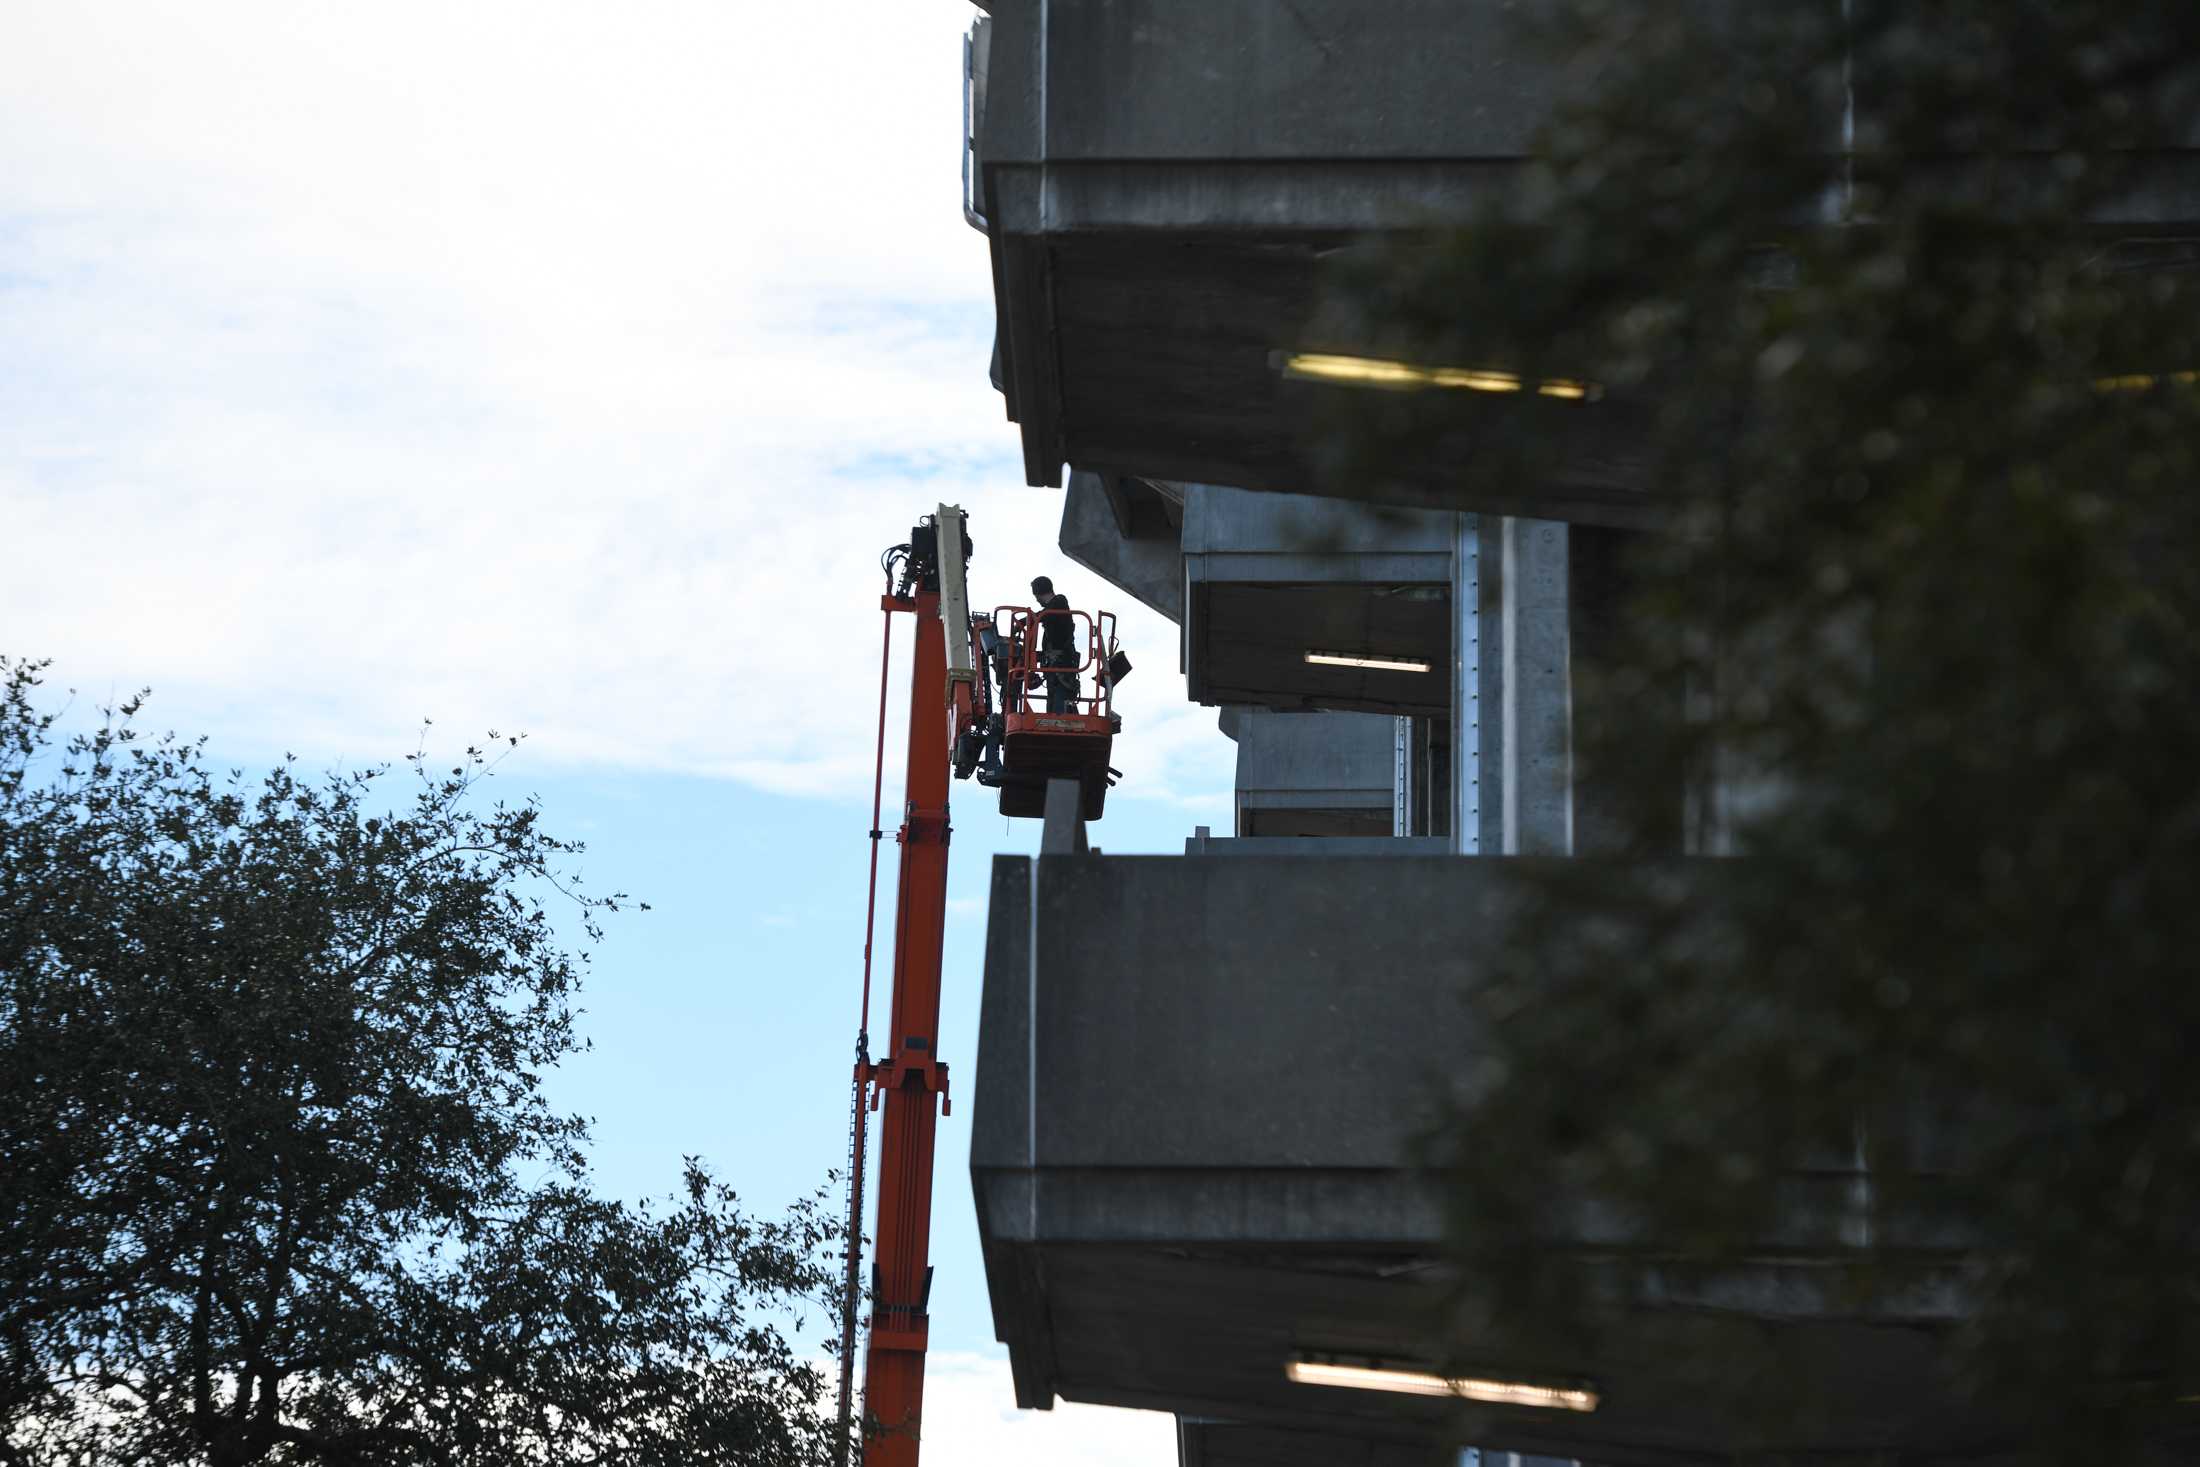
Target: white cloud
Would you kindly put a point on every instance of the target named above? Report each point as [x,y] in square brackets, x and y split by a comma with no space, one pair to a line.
[971,1420]
[546,366]
[529,366]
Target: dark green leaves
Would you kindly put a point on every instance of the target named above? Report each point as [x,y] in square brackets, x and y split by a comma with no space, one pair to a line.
[281,1184]
[1918,406]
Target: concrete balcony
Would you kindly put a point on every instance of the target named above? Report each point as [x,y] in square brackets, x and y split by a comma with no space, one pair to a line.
[1258,580]
[1314,775]
[1269,579]
[1161,181]
[1197,1087]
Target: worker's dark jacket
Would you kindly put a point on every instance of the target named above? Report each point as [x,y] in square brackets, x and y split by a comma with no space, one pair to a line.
[1057,634]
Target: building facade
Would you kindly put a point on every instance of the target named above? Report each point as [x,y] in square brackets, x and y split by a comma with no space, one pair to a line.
[1200,1078]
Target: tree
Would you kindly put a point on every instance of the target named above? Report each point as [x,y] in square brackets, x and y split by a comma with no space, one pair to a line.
[1922,629]
[270,1067]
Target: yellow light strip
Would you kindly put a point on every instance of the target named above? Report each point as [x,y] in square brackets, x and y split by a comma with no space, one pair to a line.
[1370,371]
[1384,664]
[1422,1383]
[1472,380]
[2141,381]
[1406,377]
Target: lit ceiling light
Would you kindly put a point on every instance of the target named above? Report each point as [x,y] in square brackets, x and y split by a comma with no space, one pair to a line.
[1380,664]
[1473,380]
[1405,376]
[1425,1383]
[1367,371]
[2141,381]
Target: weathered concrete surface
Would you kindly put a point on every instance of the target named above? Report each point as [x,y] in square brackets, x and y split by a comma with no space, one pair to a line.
[1291,536]
[1525,688]
[1313,774]
[1127,533]
[1190,1153]
[1318,78]
[1334,953]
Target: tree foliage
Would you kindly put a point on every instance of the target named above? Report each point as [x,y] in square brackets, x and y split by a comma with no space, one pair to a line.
[1921,625]
[282,1185]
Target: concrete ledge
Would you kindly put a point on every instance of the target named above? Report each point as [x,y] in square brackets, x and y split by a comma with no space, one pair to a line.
[1198,1087]
[1382,847]
[1330,1208]
[1203,1443]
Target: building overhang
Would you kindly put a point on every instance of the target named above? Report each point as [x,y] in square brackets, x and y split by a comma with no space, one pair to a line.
[1192,1162]
[1163,183]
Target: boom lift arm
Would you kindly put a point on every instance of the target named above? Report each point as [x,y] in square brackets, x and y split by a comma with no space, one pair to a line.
[952,713]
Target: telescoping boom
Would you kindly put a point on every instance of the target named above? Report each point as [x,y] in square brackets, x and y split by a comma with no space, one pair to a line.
[975,681]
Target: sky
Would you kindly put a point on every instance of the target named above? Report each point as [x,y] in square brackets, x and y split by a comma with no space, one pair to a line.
[558,369]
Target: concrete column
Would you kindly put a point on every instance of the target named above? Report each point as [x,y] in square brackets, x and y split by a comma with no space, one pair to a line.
[1401,777]
[1525,682]
[1063,831]
[1467,685]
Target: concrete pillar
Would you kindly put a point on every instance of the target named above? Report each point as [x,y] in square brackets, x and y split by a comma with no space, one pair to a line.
[1401,777]
[1468,681]
[1063,831]
[1524,773]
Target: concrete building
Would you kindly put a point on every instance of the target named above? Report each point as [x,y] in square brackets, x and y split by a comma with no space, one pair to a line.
[1191,1138]
[1193,1132]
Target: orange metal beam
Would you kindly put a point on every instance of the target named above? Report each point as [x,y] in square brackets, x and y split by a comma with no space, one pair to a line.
[910,1081]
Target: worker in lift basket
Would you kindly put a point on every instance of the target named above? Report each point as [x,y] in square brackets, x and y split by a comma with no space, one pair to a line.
[1057,646]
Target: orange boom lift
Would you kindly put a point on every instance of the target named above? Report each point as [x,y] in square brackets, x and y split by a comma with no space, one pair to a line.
[956,719]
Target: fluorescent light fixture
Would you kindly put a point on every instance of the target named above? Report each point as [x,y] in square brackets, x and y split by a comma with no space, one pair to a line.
[1364,371]
[2141,381]
[1424,1383]
[1473,380]
[1406,377]
[1380,664]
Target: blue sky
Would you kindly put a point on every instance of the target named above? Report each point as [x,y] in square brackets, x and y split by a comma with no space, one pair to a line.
[557,368]
[723,1018]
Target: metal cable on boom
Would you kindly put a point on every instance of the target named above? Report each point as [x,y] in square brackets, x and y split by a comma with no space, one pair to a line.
[857,1109]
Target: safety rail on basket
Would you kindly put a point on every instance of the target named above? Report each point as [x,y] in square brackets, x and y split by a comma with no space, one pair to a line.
[1018,657]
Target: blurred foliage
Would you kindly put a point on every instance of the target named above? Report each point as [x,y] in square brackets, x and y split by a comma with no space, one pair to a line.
[1922,625]
[281,1185]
